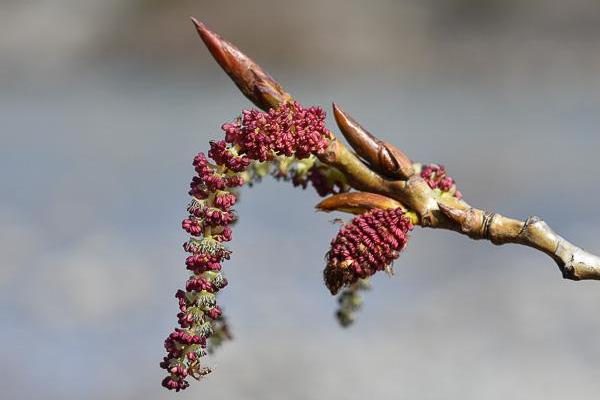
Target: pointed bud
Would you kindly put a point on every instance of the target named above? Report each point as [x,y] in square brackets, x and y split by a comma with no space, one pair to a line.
[257,85]
[357,203]
[454,214]
[383,157]
[472,222]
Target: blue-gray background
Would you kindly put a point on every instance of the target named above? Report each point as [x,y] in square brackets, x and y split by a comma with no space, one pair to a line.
[104,104]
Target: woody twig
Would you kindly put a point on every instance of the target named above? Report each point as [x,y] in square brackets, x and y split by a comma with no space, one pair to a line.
[372,180]
[377,167]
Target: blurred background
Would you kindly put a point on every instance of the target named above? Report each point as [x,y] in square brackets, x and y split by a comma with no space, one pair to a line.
[103,105]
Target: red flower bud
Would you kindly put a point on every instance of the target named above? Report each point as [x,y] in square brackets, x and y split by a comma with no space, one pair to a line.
[369,243]
[436,178]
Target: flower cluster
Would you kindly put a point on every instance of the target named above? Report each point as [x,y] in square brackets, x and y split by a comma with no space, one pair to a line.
[323,179]
[369,243]
[436,177]
[208,223]
[289,130]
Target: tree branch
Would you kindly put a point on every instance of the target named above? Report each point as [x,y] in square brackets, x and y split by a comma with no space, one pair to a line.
[574,262]
[379,170]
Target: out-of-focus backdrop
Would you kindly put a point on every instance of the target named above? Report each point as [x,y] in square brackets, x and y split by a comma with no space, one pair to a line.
[103,105]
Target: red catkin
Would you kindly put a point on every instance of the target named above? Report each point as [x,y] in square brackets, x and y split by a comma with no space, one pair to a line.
[289,130]
[436,177]
[369,243]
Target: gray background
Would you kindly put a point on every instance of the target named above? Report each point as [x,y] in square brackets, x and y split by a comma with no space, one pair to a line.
[103,104]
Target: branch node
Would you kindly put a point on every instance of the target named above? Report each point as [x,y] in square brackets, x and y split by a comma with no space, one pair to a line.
[488,219]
